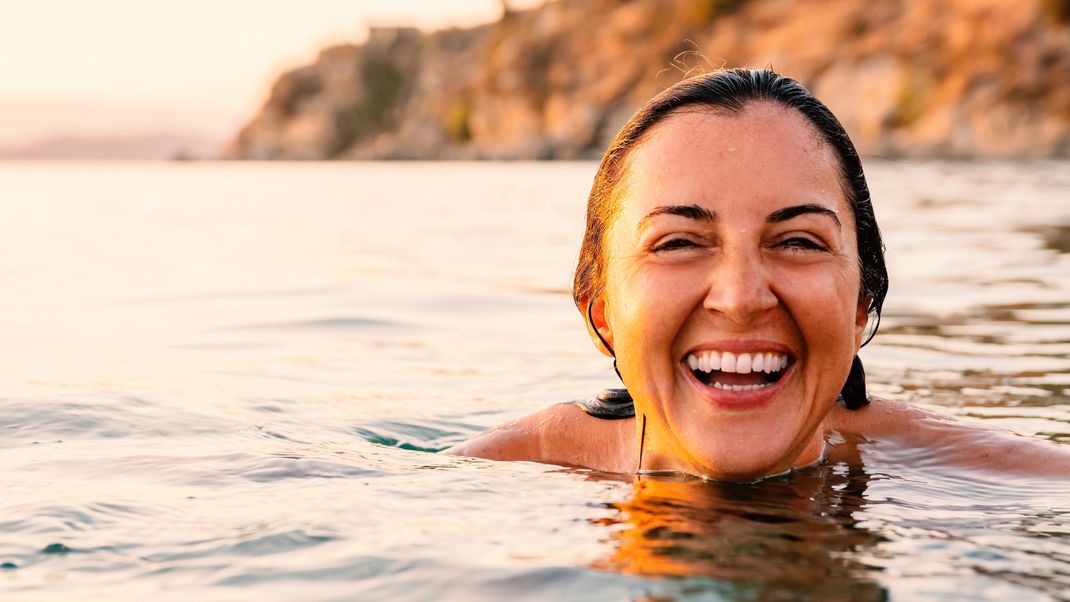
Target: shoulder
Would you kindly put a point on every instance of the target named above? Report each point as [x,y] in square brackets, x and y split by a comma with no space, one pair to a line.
[887,418]
[952,441]
[560,434]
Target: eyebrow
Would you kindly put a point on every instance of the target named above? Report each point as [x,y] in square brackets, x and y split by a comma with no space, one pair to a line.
[783,215]
[689,211]
[696,212]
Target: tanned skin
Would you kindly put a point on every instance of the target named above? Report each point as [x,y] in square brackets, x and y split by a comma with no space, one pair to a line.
[564,435]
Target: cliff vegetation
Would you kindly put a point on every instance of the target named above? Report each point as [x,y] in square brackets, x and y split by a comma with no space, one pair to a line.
[908,78]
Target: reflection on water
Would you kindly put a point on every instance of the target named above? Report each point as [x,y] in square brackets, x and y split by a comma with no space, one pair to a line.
[1055,237]
[222,381]
[878,523]
[792,534]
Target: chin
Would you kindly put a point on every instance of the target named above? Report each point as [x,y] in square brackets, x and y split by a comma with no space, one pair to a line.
[745,446]
[753,467]
[745,435]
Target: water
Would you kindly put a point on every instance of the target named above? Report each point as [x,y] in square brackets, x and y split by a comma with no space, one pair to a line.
[224,381]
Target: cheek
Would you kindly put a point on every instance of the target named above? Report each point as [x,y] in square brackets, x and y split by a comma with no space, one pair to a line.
[823,302]
[650,306]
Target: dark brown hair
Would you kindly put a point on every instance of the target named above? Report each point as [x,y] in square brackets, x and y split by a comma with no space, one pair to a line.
[729,91]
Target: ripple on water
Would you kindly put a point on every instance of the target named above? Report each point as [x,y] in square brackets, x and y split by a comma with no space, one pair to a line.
[348,323]
[256,544]
[243,443]
[427,436]
[102,416]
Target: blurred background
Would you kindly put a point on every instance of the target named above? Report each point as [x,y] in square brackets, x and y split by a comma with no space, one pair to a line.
[225,380]
[513,79]
[126,79]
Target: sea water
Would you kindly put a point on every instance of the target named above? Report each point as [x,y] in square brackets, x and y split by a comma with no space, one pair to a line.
[228,381]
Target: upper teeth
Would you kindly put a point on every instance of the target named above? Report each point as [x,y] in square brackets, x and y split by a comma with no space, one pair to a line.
[740,363]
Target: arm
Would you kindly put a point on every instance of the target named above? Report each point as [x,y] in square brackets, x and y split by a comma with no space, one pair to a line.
[517,440]
[957,443]
[560,434]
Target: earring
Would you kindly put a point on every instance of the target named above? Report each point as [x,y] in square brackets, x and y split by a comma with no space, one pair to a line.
[854,390]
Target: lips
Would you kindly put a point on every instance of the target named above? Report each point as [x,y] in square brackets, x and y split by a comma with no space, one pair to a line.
[738,371]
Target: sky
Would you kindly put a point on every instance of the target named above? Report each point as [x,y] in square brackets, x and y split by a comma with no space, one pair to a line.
[197,67]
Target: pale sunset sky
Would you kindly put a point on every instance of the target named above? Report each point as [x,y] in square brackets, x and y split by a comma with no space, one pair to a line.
[198,67]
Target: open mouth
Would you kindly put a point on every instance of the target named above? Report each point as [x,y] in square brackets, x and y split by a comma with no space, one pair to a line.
[738,371]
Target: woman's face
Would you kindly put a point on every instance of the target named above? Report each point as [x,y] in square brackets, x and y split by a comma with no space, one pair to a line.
[732,291]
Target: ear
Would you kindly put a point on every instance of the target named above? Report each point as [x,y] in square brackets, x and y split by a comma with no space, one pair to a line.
[861,319]
[598,325]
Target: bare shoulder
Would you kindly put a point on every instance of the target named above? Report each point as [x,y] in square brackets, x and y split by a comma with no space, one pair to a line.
[959,443]
[886,418]
[560,434]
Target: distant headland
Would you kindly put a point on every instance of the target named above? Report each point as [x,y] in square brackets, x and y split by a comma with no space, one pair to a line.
[909,78]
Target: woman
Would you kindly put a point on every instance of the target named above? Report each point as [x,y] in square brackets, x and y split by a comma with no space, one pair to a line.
[730,266]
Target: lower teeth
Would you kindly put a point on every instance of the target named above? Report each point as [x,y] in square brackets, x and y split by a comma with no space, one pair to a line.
[717,385]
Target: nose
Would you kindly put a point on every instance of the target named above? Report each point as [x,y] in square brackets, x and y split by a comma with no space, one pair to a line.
[740,288]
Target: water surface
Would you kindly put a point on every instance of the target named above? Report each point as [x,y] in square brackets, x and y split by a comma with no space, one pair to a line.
[225,381]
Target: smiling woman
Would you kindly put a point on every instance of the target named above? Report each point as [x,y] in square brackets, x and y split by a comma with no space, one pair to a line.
[730,266]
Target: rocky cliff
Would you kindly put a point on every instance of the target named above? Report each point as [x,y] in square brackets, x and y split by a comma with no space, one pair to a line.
[915,78]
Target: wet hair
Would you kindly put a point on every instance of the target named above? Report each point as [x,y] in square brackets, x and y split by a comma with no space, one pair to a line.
[729,91]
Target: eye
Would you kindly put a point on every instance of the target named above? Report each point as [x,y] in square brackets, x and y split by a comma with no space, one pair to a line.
[802,243]
[673,244]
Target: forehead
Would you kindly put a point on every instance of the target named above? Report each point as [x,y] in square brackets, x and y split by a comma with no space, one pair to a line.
[766,154]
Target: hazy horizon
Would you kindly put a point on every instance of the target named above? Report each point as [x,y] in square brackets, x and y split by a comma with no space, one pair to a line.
[119,69]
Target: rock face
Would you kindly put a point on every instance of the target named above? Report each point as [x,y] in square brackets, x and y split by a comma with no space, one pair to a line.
[908,78]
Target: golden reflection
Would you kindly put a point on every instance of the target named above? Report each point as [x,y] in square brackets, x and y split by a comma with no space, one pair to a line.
[794,531]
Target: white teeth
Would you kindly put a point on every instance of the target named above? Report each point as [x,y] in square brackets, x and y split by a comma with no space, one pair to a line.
[772,362]
[741,363]
[718,385]
[728,362]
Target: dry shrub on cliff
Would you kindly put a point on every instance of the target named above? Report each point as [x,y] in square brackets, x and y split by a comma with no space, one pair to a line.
[907,77]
